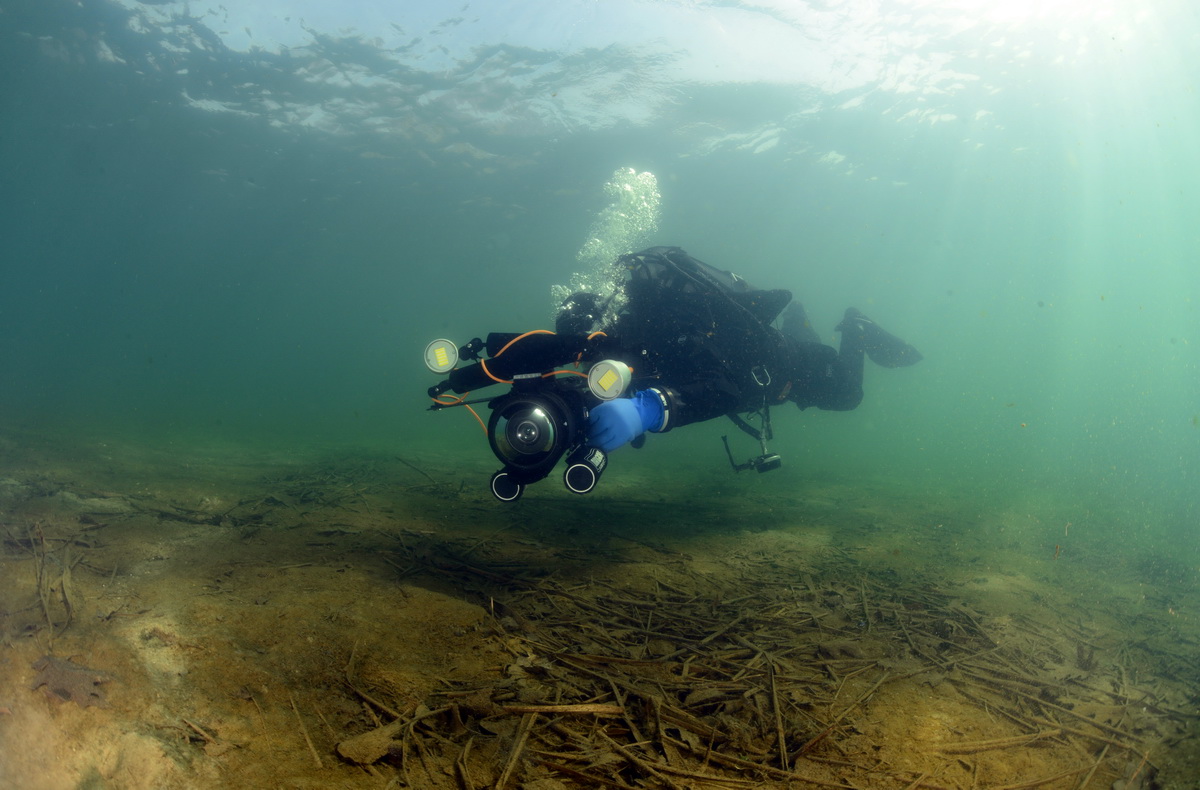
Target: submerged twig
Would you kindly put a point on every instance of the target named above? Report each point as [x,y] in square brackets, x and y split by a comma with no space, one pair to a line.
[413,466]
[828,729]
[514,756]
[304,730]
[974,747]
[594,709]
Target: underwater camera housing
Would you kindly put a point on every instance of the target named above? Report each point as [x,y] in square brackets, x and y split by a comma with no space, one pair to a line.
[541,419]
[532,427]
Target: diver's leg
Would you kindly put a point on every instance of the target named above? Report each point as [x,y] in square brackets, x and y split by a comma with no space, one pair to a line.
[796,324]
[882,347]
[846,390]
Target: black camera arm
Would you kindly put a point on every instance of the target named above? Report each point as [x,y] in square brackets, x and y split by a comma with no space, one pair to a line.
[512,355]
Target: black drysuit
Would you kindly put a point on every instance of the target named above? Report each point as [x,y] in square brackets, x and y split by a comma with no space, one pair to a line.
[708,337]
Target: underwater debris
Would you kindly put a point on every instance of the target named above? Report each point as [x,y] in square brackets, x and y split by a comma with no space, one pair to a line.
[70,682]
[776,679]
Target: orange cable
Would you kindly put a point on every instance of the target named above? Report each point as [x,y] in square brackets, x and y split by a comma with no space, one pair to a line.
[519,337]
[457,401]
[597,333]
[478,419]
[483,364]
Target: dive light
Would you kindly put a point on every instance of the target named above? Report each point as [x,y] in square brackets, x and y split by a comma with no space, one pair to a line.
[441,356]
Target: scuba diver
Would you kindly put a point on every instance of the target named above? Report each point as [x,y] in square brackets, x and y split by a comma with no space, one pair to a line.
[678,342]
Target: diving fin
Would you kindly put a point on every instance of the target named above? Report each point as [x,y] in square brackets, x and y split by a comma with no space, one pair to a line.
[884,348]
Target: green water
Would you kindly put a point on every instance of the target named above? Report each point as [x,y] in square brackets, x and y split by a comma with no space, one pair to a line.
[1013,194]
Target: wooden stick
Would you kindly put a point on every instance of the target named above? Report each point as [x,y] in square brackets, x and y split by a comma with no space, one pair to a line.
[862,590]
[1061,709]
[629,720]
[1086,735]
[404,760]
[961,685]
[207,738]
[66,587]
[321,716]
[393,713]
[1103,753]
[304,730]
[581,776]
[681,718]
[1043,781]
[424,758]
[523,730]
[464,773]
[683,772]
[821,735]
[705,640]
[974,747]
[779,733]
[43,584]
[1141,765]
[645,765]
[739,762]
[428,476]
[581,709]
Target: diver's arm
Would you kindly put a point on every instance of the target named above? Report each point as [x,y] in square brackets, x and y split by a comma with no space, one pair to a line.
[658,409]
[617,422]
[702,400]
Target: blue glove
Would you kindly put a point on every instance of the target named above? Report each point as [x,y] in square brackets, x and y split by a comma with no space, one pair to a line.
[620,421]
